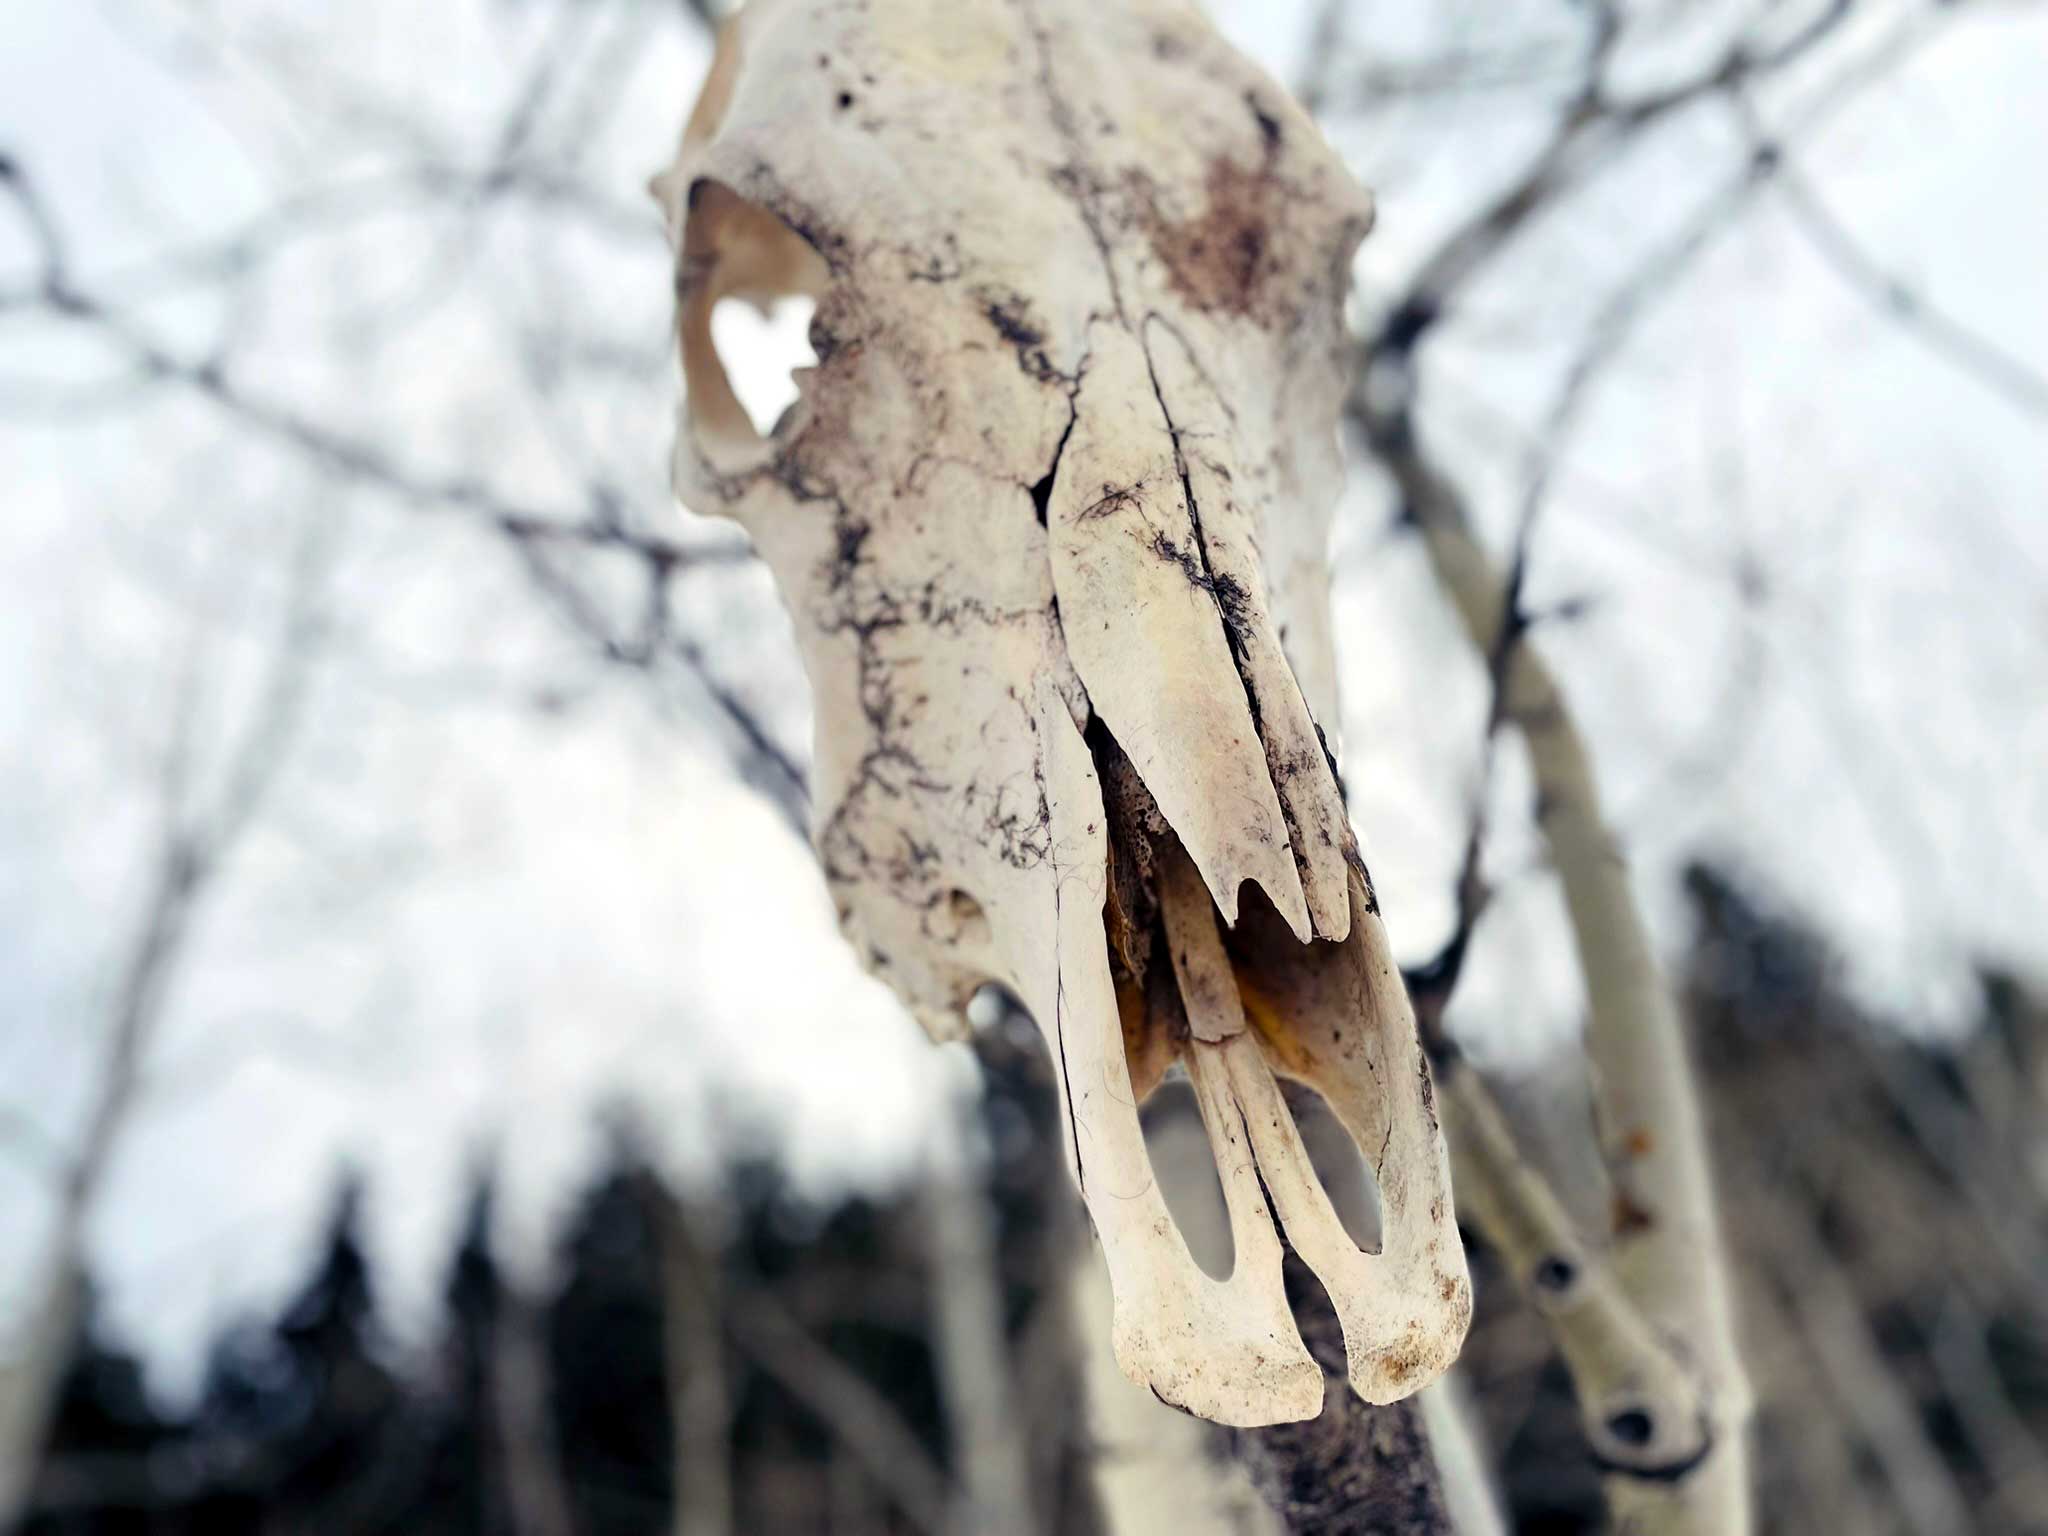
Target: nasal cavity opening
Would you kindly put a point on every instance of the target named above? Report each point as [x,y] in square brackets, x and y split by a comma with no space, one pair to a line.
[761,351]
[1348,1181]
[1310,1006]
[1185,1166]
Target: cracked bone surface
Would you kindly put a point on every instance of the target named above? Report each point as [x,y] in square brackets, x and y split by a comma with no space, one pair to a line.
[1051,517]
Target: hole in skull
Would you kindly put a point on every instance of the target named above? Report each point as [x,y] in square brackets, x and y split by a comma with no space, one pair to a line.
[1308,1005]
[1554,1274]
[991,1005]
[736,250]
[1306,1002]
[970,923]
[1632,1427]
[761,354]
[1353,1192]
[1185,1167]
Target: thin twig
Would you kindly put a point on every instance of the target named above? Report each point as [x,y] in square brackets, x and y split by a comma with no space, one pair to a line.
[2006,374]
[859,1416]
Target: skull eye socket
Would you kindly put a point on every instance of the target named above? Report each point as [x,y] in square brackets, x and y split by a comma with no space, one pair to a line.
[733,249]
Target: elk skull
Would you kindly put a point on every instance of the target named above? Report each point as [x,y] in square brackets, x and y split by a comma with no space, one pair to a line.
[1051,517]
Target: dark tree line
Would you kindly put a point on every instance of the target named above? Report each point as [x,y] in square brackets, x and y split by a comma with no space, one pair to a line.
[1885,1201]
[313,1421]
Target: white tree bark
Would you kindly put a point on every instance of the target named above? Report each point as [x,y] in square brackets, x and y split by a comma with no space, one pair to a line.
[29,1376]
[992,1469]
[693,1345]
[199,833]
[521,1387]
[1158,1471]
[1664,1245]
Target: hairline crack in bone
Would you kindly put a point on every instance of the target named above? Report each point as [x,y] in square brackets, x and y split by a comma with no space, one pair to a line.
[1051,517]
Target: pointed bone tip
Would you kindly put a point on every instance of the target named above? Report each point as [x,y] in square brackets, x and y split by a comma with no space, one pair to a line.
[1298,920]
[1227,901]
[1333,917]
[665,186]
[1288,901]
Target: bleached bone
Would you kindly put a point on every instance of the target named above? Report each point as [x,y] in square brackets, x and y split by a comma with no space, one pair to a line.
[1051,517]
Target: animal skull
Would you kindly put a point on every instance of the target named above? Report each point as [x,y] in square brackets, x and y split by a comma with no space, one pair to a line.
[1051,516]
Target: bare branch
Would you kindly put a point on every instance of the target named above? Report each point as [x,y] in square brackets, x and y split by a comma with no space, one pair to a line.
[536,533]
[693,1335]
[975,1379]
[597,526]
[520,1381]
[861,1418]
[2003,372]
[196,844]
[1642,1411]
[1593,130]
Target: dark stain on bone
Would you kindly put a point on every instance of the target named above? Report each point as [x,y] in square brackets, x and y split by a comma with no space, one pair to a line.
[823,337]
[762,185]
[1114,499]
[850,537]
[1233,601]
[939,266]
[1628,1218]
[1323,741]
[1270,133]
[1011,317]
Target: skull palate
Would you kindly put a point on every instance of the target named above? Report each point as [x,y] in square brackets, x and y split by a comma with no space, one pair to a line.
[1050,518]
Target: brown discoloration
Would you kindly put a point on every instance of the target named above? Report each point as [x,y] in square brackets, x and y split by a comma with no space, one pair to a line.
[1226,258]
[1628,1217]
[1285,1045]
[1136,831]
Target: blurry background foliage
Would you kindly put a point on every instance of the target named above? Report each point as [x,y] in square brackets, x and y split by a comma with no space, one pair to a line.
[427,1064]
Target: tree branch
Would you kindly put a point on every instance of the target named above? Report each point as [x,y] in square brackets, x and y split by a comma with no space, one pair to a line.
[844,1403]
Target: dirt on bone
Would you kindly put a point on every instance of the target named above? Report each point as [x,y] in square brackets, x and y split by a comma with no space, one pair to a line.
[1136,830]
[1148,1003]
[1267,971]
